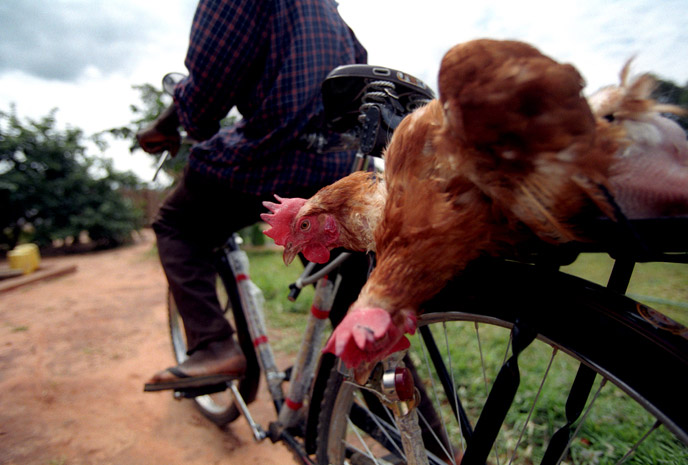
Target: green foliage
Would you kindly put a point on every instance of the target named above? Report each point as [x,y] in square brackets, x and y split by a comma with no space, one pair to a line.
[668,92]
[52,189]
[153,101]
[253,235]
[286,320]
[657,285]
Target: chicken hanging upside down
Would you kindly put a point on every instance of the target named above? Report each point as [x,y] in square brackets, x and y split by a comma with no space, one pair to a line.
[509,152]
[343,214]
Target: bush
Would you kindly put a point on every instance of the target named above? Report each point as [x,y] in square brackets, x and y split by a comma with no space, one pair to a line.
[51,189]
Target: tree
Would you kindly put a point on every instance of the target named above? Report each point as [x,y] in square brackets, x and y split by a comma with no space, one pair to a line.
[669,92]
[153,102]
[52,189]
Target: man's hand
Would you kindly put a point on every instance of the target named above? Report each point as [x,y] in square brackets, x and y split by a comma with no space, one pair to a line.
[162,134]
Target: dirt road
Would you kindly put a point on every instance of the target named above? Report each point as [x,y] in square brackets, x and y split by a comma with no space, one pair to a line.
[74,354]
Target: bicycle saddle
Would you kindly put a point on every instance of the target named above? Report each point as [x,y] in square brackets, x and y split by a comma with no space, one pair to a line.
[373,96]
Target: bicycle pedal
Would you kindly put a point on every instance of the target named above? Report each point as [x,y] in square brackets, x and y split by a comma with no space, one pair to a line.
[190,393]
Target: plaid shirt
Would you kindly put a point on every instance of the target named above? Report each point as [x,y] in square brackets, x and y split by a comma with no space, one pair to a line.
[267,58]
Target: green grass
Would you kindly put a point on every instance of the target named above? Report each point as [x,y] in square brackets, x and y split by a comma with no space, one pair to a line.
[286,320]
[613,423]
[662,286]
[651,282]
[612,426]
[58,461]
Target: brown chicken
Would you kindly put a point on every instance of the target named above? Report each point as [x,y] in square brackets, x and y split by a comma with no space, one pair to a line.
[649,178]
[343,214]
[650,171]
[510,151]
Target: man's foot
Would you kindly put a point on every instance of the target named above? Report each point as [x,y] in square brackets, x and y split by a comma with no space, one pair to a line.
[219,361]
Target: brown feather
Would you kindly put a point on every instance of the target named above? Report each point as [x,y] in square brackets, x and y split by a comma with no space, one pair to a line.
[356,201]
[498,158]
[649,173]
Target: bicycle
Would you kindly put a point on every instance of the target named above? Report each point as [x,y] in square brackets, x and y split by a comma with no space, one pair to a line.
[425,406]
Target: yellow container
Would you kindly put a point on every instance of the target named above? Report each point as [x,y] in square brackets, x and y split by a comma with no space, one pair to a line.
[24,257]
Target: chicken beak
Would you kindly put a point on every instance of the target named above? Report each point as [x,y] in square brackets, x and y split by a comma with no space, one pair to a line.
[290,252]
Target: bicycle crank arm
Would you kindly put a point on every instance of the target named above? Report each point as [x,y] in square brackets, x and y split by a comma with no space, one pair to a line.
[258,433]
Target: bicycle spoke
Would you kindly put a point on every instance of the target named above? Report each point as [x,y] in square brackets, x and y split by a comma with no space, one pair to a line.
[433,352]
[390,417]
[434,389]
[508,346]
[499,400]
[365,420]
[482,363]
[578,395]
[582,420]
[532,407]
[482,357]
[386,428]
[639,442]
[360,439]
[434,435]
[484,370]
[453,385]
[495,450]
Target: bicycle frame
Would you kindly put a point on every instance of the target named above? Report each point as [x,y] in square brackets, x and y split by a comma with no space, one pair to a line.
[288,408]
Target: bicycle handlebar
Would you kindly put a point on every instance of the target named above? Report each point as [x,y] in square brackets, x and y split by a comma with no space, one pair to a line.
[307,278]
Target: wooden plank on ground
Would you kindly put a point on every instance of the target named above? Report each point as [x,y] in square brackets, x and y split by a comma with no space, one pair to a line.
[38,275]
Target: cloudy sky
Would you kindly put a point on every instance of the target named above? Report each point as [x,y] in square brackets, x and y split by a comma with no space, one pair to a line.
[83,56]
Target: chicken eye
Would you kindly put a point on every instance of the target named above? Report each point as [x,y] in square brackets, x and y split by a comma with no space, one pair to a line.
[305,225]
[610,117]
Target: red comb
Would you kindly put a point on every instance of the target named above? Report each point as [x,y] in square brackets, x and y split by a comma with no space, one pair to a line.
[281,218]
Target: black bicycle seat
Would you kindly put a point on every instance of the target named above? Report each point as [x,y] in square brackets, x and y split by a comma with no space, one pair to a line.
[345,90]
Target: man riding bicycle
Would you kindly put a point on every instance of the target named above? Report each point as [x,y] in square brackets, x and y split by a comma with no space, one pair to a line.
[268,60]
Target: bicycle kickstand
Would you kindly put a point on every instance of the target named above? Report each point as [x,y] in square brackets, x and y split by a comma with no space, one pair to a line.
[258,432]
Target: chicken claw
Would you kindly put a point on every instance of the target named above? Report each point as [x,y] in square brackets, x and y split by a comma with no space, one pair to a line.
[369,335]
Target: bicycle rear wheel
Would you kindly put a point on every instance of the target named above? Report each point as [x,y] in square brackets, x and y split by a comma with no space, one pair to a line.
[597,378]
[219,407]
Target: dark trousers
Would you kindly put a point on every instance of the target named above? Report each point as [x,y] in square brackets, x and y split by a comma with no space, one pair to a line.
[196,218]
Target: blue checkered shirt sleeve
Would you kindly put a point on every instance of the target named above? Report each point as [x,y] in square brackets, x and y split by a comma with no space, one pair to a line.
[267,59]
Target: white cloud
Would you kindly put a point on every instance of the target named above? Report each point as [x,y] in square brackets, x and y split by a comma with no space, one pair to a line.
[95,51]
[597,37]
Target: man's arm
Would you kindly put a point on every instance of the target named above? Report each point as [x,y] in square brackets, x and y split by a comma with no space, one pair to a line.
[227,37]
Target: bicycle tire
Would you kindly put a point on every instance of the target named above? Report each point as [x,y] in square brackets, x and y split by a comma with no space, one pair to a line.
[220,408]
[641,355]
